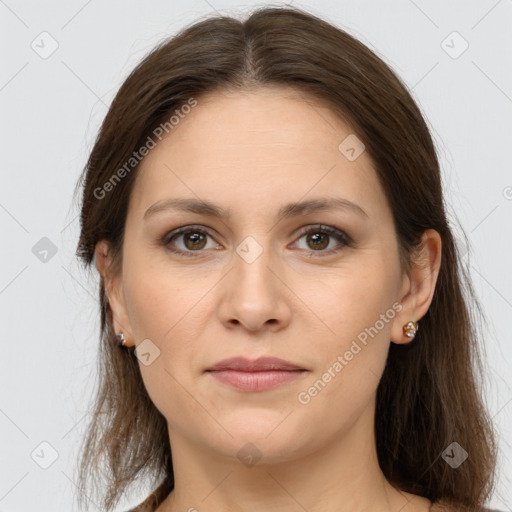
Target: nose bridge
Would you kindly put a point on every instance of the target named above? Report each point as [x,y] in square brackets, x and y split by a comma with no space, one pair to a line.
[251,296]
[252,259]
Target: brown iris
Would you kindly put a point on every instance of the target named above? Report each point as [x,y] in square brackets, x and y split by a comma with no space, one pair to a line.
[315,237]
[198,240]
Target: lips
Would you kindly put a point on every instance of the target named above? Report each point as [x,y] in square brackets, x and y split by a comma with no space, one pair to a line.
[252,375]
[261,364]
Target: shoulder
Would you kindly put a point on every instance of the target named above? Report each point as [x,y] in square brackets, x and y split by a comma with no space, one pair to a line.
[445,506]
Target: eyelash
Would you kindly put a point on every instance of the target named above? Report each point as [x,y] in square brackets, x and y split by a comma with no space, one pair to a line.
[339,235]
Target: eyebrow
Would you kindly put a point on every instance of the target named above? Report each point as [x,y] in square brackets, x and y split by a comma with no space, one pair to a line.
[287,211]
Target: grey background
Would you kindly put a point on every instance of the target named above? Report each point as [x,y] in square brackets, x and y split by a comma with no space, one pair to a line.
[51,109]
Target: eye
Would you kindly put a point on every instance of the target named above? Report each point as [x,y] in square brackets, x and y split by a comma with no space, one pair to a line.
[318,238]
[194,240]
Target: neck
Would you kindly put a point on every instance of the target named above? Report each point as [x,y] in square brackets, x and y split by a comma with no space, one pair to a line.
[343,475]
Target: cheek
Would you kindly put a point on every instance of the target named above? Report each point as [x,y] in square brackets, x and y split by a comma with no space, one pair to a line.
[352,303]
[150,307]
[159,301]
[168,309]
[162,311]
[350,363]
[359,310]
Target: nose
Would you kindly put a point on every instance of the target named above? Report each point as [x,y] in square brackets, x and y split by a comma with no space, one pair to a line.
[254,293]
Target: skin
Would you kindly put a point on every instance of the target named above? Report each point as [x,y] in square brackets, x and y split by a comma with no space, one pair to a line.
[252,152]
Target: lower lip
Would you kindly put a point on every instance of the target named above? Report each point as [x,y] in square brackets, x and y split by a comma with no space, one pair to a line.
[256,381]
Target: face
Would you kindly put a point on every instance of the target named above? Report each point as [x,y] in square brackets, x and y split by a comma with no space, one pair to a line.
[320,288]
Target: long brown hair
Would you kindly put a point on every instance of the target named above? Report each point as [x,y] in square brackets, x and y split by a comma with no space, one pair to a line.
[429,394]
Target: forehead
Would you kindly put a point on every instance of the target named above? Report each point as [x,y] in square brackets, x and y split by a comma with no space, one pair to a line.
[253,147]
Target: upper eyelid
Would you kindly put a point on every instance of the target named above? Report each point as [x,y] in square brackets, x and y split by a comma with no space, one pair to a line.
[207,230]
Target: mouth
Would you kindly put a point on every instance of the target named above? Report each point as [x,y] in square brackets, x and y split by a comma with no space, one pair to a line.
[252,375]
[252,381]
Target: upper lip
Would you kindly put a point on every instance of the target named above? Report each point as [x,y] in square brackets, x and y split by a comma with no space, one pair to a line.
[254,365]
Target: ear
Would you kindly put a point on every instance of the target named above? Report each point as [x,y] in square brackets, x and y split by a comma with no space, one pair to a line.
[113,283]
[418,285]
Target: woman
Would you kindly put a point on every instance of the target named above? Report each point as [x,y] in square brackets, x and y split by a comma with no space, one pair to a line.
[282,309]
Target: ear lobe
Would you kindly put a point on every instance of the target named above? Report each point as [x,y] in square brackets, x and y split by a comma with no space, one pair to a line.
[112,282]
[420,284]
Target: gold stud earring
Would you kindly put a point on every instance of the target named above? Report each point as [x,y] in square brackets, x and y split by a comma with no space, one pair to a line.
[410,329]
